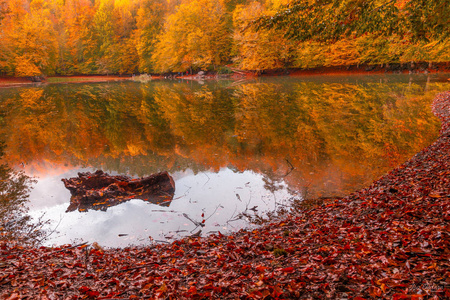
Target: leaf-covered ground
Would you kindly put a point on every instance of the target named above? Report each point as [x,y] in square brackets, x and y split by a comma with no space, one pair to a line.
[390,240]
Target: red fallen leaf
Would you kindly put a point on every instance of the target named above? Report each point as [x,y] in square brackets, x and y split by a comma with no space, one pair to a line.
[175,270]
[13,297]
[434,195]
[162,289]
[93,293]
[375,291]
[192,291]
[256,295]
[261,269]
[354,229]
[209,286]
[400,296]
[359,298]
[277,292]
[260,283]
[288,270]
[317,258]
[89,292]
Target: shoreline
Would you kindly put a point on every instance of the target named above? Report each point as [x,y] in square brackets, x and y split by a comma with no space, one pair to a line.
[417,68]
[389,240]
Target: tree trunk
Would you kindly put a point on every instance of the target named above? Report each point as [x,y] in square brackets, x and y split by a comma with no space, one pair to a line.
[99,190]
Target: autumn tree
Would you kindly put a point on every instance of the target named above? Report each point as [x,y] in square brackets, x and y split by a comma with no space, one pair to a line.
[425,19]
[195,36]
[76,46]
[3,9]
[330,20]
[29,43]
[150,20]
[259,50]
[12,13]
[125,50]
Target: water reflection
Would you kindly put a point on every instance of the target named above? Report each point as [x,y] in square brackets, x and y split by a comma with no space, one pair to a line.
[15,223]
[221,197]
[317,137]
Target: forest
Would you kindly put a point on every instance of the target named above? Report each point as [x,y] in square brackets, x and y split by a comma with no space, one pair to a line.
[72,37]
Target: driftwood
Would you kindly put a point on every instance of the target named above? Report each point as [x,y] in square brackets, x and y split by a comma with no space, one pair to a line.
[99,190]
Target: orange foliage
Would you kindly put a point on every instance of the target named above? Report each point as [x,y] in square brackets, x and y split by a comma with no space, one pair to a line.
[335,136]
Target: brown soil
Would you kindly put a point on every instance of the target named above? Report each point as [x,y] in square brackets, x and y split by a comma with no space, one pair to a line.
[13,81]
[337,70]
[20,81]
[424,68]
[86,78]
[365,69]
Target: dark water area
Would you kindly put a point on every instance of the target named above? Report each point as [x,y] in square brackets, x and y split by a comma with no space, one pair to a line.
[230,146]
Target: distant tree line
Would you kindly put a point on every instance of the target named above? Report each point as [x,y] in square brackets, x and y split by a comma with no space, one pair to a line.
[154,36]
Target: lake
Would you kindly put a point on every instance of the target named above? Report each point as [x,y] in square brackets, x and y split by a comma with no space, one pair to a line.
[235,149]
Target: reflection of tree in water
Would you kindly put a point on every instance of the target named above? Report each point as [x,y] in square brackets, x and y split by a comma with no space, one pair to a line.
[15,224]
[272,184]
[338,136]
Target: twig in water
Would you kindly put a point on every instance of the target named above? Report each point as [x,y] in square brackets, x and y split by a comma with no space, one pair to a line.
[291,168]
[197,234]
[235,208]
[214,212]
[185,193]
[161,241]
[207,180]
[54,229]
[196,223]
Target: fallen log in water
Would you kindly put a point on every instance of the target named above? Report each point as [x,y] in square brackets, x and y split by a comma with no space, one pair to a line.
[100,190]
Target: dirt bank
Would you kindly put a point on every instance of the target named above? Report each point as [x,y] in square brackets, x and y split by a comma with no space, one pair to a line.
[425,68]
[20,81]
[13,81]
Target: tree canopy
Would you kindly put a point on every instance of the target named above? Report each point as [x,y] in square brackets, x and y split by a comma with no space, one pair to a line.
[47,37]
[331,20]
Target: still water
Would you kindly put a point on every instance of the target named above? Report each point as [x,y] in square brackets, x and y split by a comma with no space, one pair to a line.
[234,148]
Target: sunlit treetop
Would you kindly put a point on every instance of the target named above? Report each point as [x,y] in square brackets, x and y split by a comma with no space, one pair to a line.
[330,20]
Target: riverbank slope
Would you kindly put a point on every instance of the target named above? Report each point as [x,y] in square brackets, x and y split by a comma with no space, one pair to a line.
[390,240]
[424,68]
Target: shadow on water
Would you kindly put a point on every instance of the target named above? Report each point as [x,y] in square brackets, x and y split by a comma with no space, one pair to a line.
[16,226]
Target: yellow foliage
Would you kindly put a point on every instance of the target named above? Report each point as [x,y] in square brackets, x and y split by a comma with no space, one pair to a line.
[29,39]
[195,36]
[26,68]
[124,36]
[258,50]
